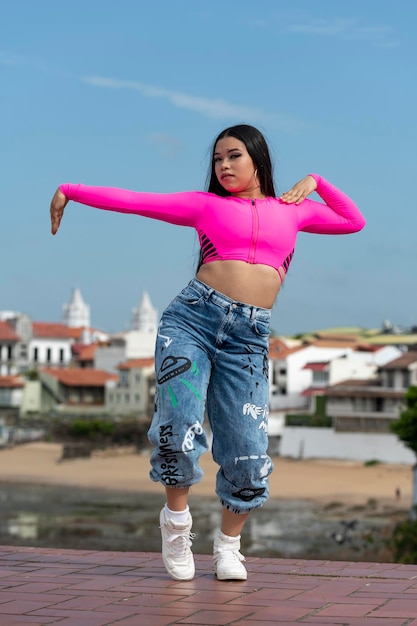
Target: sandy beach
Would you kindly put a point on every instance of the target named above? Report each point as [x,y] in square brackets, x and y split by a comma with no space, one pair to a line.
[323,481]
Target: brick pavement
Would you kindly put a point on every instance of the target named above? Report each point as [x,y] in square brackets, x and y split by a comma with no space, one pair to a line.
[85,588]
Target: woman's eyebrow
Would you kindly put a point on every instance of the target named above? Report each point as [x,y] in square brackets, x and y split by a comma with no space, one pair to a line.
[228,150]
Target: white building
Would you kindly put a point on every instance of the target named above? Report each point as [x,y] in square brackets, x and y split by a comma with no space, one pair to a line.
[361,364]
[361,413]
[290,377]
[138,343]
[9,340]
[295,369]
[299,373]
[51,344]
[11,392]
[134,392]
[76,314]
[145,317]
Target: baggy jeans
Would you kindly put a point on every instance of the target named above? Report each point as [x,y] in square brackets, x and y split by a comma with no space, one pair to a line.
[211,357]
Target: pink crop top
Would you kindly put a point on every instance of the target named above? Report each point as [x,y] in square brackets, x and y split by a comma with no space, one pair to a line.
[255,231]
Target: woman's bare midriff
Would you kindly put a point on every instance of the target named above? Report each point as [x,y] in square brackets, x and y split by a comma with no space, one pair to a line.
[257,285]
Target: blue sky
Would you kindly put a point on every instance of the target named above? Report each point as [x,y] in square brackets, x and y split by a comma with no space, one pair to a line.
[131,94]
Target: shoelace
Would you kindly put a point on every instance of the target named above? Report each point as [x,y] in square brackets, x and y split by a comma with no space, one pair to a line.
[181,544]
[230,556]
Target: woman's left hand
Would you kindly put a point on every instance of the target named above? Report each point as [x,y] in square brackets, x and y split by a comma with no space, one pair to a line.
[299,191]
[58,204]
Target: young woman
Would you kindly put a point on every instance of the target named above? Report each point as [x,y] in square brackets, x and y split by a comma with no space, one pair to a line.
[211,352]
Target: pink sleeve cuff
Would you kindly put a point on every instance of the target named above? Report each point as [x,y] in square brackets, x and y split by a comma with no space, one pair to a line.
[317,178]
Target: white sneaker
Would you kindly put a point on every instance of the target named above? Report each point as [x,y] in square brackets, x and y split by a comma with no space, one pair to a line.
[176,547]
[227,558]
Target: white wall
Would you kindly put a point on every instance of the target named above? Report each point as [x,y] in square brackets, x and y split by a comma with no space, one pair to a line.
[349,368]
[139,345]
[383,355]
[133,396]
[325,443]
[288,402]
[32,396]
[133,345]
[107,358]
[276,424]
[55,345]
[11,396]
[299,379]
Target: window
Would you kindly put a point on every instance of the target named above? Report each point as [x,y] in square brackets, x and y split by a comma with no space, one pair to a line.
[88,396]
[9,353]
[48,355]
[35,354]
[406,378]
[359,404]
[74,396]
[61,355]
[320,378]
[379,404]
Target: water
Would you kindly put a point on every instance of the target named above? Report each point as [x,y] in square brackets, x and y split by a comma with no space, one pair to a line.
[91,519]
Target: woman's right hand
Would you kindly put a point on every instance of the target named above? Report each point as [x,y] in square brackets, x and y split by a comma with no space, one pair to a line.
[58,204]
[300,190]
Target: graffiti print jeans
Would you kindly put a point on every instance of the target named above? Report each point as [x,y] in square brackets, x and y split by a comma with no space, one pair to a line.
[211,359]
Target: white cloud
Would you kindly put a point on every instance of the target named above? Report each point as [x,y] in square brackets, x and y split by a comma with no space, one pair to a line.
[9,58]
[210,107]
[169,145]
[318,26]
[348,29]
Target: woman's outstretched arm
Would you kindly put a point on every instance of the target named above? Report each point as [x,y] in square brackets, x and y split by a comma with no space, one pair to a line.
[181,208]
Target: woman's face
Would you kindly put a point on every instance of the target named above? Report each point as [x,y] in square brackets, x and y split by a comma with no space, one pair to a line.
[234,168]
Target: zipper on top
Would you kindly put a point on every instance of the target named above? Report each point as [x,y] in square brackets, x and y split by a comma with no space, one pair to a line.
[255,230]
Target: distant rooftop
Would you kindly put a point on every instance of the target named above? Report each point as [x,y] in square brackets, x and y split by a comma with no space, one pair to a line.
[387,335]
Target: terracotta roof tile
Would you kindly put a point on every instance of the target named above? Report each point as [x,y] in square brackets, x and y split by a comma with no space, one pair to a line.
[278,349]
[402,362]
[353,338]
[363,389]
[356,382]
[7,382]
[332,343]
[86,353]
[136,363]
[55,330]
[367,348]
[7,332]
[317,366]
[80,377]
[314,391]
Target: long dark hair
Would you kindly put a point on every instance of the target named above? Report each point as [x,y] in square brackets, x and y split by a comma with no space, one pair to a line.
[258,151]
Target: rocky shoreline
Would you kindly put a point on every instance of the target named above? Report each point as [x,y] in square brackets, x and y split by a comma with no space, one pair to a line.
[97,519]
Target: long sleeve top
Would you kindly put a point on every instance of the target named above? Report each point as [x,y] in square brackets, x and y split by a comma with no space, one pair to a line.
[252,230]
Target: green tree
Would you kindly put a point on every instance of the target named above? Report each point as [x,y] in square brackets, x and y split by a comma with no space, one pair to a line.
[406,426]
[404,540]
